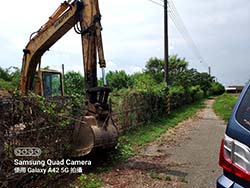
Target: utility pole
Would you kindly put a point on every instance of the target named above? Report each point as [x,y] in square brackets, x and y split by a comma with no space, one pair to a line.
[209,70]
[166,54]
[166,66]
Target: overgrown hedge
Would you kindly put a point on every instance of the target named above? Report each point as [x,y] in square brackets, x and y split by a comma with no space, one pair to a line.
[133,107]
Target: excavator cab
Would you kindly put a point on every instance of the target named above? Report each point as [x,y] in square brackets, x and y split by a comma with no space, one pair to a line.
[48,83]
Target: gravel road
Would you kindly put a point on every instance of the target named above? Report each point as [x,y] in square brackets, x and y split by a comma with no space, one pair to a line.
[185,156]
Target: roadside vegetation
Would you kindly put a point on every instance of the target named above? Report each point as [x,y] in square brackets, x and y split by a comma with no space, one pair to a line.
[223,105]
[87,181]
[138,103]
[141,97]
[136,138]
[9,78]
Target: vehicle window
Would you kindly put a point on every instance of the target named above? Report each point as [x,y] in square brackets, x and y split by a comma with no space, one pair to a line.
[243,112]
[52,84]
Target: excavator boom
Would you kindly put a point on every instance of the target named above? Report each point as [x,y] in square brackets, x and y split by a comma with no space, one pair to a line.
[84,16]
[59,23]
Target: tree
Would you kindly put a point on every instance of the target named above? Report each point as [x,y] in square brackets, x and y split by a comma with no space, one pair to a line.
[177,66]
[144,81]
[155,68]
[217,88]
[9,78]
[119,79]
[178,71]
[15,76]
[74,83]
[4,75]
[205,82]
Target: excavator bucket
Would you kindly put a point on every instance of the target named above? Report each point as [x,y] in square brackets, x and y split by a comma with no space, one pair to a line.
[89,135]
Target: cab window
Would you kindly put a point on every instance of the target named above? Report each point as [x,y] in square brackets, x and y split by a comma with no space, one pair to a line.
[52,84]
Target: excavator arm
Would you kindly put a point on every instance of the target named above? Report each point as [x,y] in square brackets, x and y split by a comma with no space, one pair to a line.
[99,129]
[62,20]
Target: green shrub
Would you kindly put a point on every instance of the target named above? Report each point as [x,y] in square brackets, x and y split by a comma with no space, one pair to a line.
[224,105]
[216,89]
[74,83]
[134,106]
[177,96]
[6,85]
[119,79]
[195,92]
[89,181]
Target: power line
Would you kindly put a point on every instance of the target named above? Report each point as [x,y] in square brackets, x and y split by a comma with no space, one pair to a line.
[182,29]
[152,1]
[177,20]
[186,38]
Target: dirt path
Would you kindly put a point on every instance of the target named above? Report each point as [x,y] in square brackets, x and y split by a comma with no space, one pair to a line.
[185,156]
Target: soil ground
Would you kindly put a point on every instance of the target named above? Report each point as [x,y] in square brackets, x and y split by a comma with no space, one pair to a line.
[185,156]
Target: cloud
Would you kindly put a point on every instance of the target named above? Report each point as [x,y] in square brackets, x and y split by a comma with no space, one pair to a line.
[133,32]
[220,30]
[111,64]
[134,69]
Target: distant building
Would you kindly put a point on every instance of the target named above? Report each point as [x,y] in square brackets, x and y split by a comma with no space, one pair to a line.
[234,89]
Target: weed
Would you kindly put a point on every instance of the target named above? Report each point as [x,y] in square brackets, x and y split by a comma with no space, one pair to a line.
[155,175]
[104,168]
[122,153]
[223,106]
[89,181]
[183,180]
[168,178]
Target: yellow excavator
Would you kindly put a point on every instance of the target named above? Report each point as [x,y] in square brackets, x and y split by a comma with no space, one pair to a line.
[99,130]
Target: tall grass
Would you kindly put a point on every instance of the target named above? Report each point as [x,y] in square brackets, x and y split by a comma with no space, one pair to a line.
[223,105]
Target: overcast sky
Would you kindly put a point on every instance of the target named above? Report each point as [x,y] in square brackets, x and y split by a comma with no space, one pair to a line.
[133,32]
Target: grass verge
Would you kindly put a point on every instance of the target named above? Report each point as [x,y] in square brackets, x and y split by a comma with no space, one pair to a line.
[223,105]
[87,181]
[133,139]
